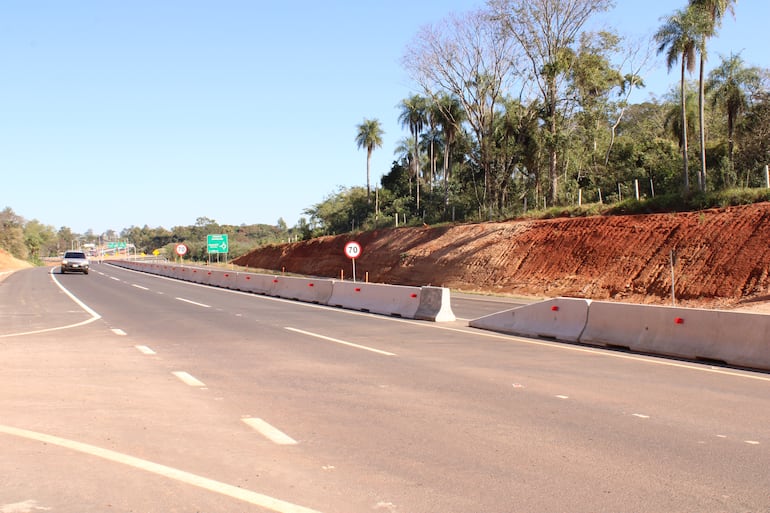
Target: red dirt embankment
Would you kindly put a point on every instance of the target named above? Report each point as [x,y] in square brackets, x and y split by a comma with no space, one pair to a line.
[723,257]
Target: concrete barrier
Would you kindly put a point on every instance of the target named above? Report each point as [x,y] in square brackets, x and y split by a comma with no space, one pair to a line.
[426,303]
[302,289]
[560,319]
[223,279]
[256,283]
[435,305]
[736,338]
[396,300]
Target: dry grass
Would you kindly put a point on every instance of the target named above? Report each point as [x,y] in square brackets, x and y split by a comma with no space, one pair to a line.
[9,263]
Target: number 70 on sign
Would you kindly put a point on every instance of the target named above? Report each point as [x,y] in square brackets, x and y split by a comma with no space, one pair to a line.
[353,251]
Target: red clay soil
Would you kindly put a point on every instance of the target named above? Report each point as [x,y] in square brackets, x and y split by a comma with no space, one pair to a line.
[723,256]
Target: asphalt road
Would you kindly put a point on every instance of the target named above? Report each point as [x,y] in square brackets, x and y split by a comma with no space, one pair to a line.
[126,392]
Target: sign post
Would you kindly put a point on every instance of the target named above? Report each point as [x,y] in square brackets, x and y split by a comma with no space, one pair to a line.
[353,251]
[216,244]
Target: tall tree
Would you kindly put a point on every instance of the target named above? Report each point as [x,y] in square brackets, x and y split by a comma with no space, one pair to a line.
[547,32]
[730,86]
[714,11]
[12,233]
[413,116]
[369,136]
[470,58]
[679,38]
[450,116]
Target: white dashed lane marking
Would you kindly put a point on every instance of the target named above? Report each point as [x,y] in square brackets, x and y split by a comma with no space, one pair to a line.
[139,287]
[342,342]
[188,379]
[144,350]
[274,435]
[192,302]
[119,332]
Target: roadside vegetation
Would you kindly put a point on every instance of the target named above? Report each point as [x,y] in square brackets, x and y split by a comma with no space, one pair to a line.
[520,114]
[34,242]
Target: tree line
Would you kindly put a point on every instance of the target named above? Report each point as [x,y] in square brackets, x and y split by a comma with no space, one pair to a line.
[521,108]
[34,241]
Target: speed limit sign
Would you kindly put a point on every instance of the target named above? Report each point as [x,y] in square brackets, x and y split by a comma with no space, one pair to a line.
[180,249]
[353,250]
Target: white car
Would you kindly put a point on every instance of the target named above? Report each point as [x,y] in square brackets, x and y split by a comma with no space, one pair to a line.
[75,261]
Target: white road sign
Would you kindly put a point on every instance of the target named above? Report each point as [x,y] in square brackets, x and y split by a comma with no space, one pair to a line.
[353,250]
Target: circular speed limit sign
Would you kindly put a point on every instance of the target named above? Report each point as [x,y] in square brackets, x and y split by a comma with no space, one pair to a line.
[181,249]
[352,250]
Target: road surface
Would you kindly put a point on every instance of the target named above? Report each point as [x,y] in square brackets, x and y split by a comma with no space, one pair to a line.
[127,392]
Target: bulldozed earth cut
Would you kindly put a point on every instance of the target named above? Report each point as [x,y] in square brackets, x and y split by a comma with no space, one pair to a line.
[721,257]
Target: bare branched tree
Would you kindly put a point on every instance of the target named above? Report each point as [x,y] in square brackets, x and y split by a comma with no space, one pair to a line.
[470,58]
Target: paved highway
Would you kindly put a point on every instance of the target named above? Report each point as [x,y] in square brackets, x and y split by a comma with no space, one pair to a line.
[127,392]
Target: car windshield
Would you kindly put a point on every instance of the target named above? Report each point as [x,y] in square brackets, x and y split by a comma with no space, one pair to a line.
[74,254]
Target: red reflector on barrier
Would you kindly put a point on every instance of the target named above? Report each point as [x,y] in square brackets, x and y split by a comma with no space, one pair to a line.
[358,289]
[555,308]
[414,295]
[275,281]
[209,273]
[248,277]
[227,275]
[679,320]
[309,284]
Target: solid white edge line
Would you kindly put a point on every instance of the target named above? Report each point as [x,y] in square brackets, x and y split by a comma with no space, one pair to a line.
[94,316]
[192,302]
[234,492]
[338,341]
[76,300]
[271,433]
[188,379]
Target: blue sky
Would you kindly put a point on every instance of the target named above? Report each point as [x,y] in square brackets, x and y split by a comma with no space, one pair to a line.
[158,112]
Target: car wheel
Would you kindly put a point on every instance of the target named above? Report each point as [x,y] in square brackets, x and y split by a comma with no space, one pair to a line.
[61,271]
[85,272]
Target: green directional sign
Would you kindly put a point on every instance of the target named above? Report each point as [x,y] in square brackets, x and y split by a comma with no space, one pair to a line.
[217,243]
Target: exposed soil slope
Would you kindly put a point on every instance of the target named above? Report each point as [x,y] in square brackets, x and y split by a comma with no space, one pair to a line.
[723,257]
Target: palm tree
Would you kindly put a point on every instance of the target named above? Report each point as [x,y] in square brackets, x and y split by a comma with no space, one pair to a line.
[413,117]
[450,115]
[673,115]
[714,11]
[369,136]
[728,86]
[679,38]
[404,151]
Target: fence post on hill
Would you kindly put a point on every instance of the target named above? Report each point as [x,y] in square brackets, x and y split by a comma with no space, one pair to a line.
[767,177]
[672,258]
